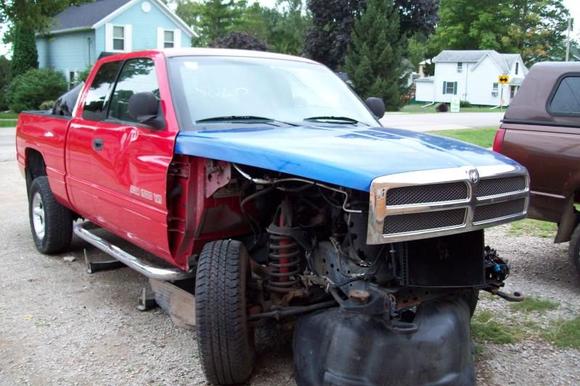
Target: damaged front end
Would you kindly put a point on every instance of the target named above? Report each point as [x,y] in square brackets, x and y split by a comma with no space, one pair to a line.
[384,282]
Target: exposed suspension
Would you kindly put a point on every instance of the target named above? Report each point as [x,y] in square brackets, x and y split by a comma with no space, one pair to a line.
[284,253]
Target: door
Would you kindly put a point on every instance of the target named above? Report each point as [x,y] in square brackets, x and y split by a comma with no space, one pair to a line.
[80,144]
[129,163]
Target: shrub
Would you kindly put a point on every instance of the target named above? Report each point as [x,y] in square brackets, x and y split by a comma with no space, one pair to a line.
[29,90]
[464,104]
[84,74]
[442,107]
[46,105]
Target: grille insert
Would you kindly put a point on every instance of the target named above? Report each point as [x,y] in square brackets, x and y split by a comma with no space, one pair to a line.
[414,222]
[422,194]
[491,187]
[502,209]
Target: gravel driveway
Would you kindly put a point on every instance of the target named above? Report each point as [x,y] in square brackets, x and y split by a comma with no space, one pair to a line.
[59,325]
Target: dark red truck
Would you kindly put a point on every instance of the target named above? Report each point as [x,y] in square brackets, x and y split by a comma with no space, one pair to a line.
[541,130]
[265,183]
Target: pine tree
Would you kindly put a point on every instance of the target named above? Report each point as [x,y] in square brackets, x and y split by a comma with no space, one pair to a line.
[24,56]
[373,61]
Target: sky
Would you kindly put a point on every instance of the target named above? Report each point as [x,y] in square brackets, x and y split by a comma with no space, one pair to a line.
[573,6]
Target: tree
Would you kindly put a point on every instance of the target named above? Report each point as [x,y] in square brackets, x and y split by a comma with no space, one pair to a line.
[329,36]
[37,13]
[24,56]
[25,18]
[282,28]
[288,26]
[533,28]
[374,56]
[4,81]
[240,40]
[211,19]
[332,21]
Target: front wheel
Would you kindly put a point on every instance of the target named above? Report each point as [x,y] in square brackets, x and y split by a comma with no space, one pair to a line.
[225,341]
[50,222]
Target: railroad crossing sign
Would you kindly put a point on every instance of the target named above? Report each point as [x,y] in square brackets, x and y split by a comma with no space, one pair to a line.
[503,79]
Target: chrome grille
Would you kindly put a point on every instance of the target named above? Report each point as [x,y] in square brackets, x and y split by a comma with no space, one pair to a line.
[415,205]
[421,194]
[492,187]
[499,210]
[414,222]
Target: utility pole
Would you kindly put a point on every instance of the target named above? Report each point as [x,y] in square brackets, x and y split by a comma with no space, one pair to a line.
[568,38]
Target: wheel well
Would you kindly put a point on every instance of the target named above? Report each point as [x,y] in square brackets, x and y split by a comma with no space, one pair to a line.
[35,166]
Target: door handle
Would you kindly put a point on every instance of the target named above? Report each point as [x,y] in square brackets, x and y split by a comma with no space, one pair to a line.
[98,144]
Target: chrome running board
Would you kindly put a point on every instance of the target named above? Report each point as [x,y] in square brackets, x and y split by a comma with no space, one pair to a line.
[139,265]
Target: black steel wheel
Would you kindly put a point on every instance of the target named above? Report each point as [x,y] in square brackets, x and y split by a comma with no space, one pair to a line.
[225,340]
[50,222]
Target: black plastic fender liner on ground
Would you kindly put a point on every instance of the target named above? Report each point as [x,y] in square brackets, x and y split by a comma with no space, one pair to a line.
[341,348]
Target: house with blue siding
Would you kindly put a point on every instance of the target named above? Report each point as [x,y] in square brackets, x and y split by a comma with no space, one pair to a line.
[80,34]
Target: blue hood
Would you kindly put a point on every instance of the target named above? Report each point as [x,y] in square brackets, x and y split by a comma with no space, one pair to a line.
[344,156]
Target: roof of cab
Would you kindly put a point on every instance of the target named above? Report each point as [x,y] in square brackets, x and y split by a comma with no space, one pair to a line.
[173,52]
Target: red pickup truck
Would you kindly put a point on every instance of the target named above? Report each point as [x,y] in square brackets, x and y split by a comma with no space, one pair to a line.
[268,182]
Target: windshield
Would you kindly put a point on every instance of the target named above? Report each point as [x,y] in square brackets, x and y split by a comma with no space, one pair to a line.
[206,88]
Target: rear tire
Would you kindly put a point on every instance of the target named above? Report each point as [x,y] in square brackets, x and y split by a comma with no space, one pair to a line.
[50,222]
[574,249]
[224,339]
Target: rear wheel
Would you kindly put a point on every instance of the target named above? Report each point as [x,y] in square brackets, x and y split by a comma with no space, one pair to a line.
[50,222]
[225,341]
[574,249]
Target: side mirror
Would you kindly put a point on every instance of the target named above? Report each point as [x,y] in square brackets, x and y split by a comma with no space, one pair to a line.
[144,107]
[377,106]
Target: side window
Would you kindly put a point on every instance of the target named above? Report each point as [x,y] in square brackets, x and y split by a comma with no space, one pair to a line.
[137,75]
[95,102]
[566,100]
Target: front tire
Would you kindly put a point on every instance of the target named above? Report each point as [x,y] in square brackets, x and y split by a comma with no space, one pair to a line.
[225,341]
[50,222]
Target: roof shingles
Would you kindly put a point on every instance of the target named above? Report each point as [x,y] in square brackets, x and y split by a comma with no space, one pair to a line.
[85,15]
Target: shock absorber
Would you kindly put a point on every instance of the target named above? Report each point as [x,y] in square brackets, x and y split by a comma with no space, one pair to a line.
[284,252]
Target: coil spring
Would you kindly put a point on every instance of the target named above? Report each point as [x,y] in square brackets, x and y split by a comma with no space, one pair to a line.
[284,263]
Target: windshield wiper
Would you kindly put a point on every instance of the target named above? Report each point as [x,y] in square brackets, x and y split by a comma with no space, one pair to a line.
[332,118]
[242,118]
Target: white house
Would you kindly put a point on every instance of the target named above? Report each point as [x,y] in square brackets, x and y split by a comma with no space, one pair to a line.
[472,76]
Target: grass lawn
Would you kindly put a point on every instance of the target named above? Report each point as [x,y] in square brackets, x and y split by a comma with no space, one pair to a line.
[530,227]
[6,123]
[565,333]
[9,115]
[480,137]
[415,108]
[531,304]
[486,327]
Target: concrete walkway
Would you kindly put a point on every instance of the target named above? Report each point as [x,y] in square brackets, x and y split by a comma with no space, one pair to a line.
[441,121]
[7,144]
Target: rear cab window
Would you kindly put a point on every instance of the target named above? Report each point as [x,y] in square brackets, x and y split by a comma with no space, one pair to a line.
[566,98]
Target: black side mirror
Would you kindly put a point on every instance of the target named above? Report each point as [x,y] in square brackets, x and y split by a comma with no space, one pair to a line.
[144,107]
[377,106]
